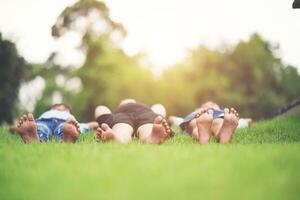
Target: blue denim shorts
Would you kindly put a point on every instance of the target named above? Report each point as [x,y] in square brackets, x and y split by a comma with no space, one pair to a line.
[47,128]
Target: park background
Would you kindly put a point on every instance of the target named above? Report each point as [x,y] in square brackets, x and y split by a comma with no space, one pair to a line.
[180,53]
[249,73]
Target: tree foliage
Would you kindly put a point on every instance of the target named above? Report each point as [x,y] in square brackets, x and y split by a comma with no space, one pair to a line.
[12,72]
[248,76]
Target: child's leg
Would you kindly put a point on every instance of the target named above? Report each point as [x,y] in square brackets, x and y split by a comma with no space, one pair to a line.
[154,133]
[90,126]
[192,129]
[67,130]
[231,118]
[101,110]
[120,132]
[204,122]
[71,131]
[27,128]
[216,126]
[159,109]
[93,125]
[200,127]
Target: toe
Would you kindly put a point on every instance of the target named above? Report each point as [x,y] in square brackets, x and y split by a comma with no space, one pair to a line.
[210,111]
[30,117]
[25,118]
[236,113]
[20,121]
[98,134]
[78,128]
[76,123]
[165,124]
[158,120]
[168,130]
[104,127]
[232,110]
[226,110]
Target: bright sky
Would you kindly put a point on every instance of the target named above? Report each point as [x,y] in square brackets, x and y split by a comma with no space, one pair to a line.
[162,28]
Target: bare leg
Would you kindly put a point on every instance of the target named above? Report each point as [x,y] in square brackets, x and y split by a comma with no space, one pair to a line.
[193,129]
[249,121]
[204,122]
[101,110]
[216,126]
[159,109]
[230,123]
[71,131]
[120,132]
[155,133]
[200,128]
[93,125]
[27,128]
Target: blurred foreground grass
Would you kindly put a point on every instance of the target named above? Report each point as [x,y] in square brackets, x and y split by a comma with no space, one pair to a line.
[262,162]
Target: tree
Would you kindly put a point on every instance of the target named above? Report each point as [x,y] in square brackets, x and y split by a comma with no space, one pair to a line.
[108,74]
[12,71]
[247,76]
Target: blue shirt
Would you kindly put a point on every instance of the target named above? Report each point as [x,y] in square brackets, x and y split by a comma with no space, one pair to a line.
[64,115]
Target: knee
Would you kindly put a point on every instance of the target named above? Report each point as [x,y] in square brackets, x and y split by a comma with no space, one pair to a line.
[159,109]
[123,138]
[122,133]
[101,110]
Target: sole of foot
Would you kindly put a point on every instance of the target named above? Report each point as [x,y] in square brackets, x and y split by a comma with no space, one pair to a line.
[104,133]
[27,128]
[231,120]
[160,131]
[204,121]
[71,131]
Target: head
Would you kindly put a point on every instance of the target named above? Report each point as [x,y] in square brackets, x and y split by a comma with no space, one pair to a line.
[159,109]
[101,110]
[210,104]
[60,107]
[126,101]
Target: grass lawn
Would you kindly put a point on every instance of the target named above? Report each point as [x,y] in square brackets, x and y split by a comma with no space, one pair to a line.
[262,162]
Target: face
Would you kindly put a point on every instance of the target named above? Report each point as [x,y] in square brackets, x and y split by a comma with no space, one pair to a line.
[61,108]
[210,105]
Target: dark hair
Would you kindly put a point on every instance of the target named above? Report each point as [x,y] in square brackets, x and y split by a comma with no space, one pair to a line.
[61,104]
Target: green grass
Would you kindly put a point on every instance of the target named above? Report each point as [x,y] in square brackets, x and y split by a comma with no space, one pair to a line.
[262,162]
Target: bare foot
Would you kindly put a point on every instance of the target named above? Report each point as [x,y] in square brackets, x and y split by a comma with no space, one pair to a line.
[27,128]
[104,133]
[160,131]
[231,120]
[249,121]
[71,130]
[204,121]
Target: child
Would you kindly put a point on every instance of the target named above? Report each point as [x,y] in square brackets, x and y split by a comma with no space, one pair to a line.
[207,121]
[57,121]
[132,119]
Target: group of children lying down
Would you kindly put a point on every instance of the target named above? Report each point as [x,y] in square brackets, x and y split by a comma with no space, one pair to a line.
[131,119]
